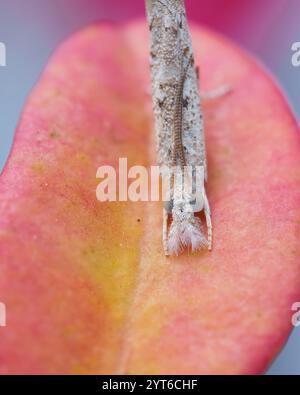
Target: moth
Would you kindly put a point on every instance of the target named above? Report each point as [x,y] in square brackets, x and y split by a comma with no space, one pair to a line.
[187,194]
[180,142]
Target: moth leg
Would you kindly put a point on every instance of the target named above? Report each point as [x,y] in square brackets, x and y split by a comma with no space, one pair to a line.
[165,231]
[208,220]
[216,93]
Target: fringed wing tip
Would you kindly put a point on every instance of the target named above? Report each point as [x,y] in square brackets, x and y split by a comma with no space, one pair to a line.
[184,234]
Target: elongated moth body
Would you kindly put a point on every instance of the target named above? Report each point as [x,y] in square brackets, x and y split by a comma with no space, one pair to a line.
[178,125]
